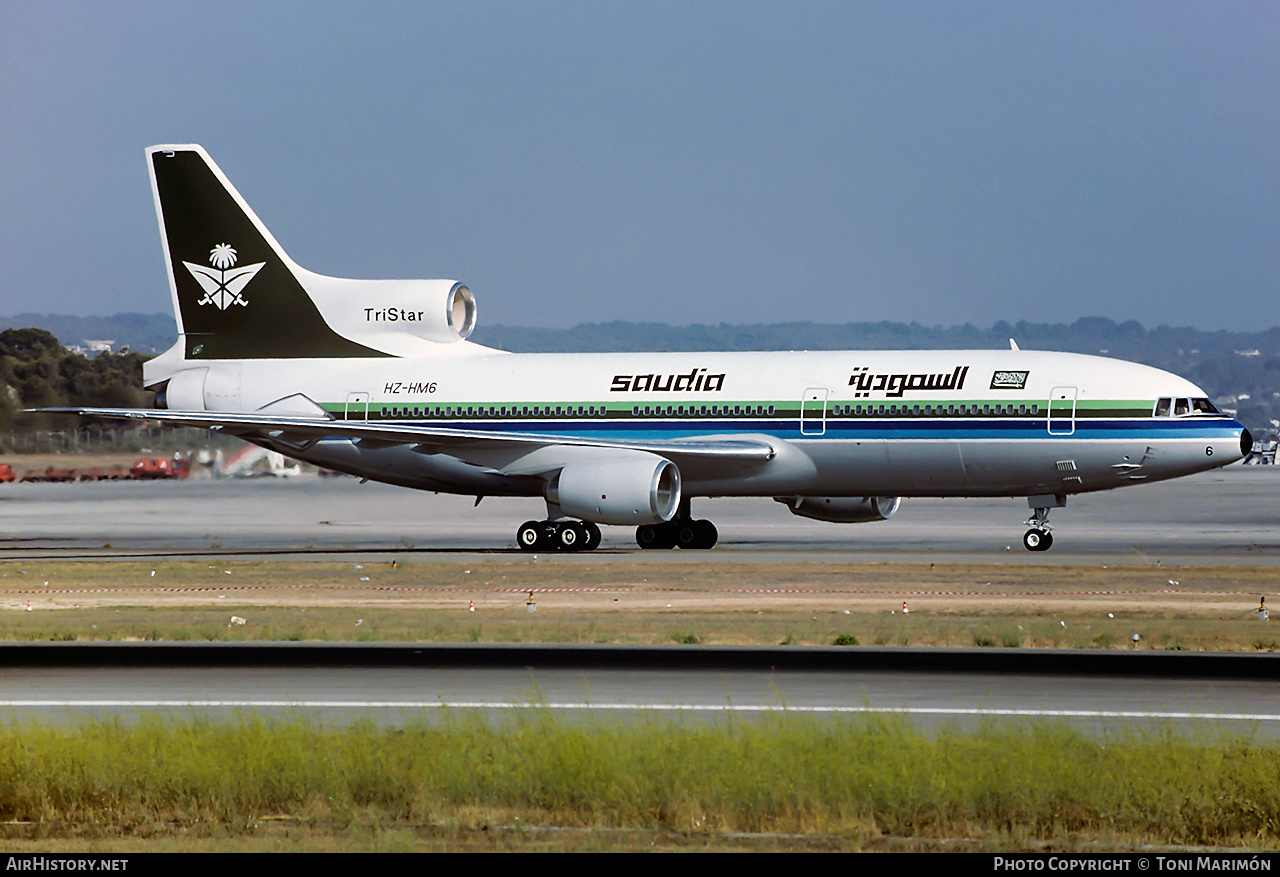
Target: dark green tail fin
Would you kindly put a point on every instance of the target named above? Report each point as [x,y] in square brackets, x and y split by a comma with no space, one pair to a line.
[236,294]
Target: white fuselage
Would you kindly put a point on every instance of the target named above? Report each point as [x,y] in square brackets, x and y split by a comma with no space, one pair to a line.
[842,424]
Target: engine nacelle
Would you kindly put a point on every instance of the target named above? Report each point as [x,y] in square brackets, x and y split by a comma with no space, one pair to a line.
[435,310]
[201,389]
[842,509]
[633,489]
[377,312]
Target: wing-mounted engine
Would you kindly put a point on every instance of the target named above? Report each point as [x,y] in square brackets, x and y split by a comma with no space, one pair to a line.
[627,489]
[842,509]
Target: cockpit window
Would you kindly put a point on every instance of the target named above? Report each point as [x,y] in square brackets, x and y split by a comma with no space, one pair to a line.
[1166,405]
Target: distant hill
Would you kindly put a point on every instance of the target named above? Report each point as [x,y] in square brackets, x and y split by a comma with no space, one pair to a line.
[141,333]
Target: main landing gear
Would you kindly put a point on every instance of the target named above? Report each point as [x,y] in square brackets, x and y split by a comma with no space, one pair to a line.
[681,531]
[567,535]
[558,536]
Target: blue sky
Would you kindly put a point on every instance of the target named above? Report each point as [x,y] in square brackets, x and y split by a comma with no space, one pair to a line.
[670,162]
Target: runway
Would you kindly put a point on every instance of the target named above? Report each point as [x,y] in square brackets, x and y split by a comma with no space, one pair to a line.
[1223,517]
[1226,516]
[1198,695]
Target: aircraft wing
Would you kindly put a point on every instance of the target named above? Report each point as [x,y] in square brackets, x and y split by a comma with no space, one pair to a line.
[300,429]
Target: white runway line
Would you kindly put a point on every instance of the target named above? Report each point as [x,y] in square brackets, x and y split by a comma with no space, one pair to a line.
[622,707]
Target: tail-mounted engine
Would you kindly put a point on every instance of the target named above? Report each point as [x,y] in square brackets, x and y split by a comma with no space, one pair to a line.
[442,311]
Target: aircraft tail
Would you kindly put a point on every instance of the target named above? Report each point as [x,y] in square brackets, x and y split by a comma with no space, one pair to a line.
[238,295]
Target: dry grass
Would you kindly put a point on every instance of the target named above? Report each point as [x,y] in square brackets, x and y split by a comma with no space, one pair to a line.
[536,784]
[1204,608]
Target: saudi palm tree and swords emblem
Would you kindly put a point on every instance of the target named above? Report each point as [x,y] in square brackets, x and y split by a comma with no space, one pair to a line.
[223,284]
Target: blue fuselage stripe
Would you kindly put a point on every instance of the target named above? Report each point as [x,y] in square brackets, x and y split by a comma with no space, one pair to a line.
[861,428]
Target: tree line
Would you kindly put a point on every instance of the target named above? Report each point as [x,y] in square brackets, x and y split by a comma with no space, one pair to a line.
[36,371]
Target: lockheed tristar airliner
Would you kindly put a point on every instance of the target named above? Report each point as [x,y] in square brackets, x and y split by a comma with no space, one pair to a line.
[376,378]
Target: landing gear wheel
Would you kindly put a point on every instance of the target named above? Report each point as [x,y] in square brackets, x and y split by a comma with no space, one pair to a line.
[696,534]
[686,535]
[571,536]
[593,536]
[532,536]
[1037,540]
[708,535]
[656,536]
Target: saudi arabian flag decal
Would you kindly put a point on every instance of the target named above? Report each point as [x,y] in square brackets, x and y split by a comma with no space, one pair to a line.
[223,284]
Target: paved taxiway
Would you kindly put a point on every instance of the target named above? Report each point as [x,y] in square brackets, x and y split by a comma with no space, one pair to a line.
[389,684]
[1224,517]
[1228,516]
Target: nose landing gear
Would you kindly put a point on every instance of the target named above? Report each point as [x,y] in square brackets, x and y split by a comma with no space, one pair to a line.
[1038,538]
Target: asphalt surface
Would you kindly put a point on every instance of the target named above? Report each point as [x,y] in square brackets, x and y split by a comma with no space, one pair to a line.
[1198,694]
[1225,517]
[1228,516]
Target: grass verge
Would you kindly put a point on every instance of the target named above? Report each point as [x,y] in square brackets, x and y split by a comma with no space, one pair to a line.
[796,781]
